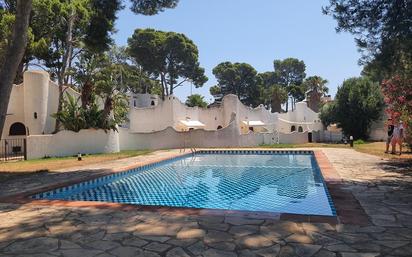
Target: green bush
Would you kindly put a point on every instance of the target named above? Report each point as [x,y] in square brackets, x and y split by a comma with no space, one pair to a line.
[359,142]
[358,103]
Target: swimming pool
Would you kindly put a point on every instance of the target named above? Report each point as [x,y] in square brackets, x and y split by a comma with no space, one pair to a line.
[269,181]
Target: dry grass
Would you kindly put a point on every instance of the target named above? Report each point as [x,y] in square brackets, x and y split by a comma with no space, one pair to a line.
[378,149]
[373,148]
[51,164]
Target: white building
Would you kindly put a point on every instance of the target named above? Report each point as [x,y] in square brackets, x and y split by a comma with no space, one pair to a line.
[153,123]
[173,113]
[31,105]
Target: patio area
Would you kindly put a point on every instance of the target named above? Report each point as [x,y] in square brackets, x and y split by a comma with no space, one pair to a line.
[382,189]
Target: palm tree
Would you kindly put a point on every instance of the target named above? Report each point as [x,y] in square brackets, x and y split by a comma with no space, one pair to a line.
[196,100]
[277,95]
[316,83]
[315,88]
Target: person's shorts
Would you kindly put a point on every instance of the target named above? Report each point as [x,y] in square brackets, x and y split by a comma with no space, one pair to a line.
[389,139]
[397,140]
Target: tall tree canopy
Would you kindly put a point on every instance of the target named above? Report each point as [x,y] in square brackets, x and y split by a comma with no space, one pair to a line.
[58,32]
[168,56]
[240,79]
[152,7]
[273,95]
[382,30]
[290,73]
[357,97]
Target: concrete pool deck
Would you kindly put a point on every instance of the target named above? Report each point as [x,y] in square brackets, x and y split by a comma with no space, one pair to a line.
[378,188]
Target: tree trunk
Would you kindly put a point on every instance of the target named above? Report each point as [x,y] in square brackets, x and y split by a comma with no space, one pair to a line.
[162,82]
[13,56]
[67,57]
[107,109]
[86,94]
[19,74]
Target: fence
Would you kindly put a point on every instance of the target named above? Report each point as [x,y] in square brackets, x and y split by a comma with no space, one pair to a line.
[13,149]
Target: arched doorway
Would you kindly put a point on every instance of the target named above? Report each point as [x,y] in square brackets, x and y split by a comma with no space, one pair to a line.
[300,129]
[293,128]
[17,129]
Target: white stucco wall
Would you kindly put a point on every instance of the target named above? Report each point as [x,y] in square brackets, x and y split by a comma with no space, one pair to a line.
[37,94]
[36,88]
[169,112]
[302,116]
[15,110]
[67,143]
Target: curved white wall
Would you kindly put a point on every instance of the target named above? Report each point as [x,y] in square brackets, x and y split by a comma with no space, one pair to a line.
[36,88]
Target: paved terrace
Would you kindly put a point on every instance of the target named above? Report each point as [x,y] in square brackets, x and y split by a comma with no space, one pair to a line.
[381,189]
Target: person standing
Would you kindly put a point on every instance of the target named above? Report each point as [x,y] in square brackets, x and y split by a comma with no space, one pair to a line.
[397,138]
[390,129]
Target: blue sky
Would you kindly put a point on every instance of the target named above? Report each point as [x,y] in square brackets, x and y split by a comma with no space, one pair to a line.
[255,32]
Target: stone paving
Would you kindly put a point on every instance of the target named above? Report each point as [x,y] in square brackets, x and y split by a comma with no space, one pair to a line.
[382,188]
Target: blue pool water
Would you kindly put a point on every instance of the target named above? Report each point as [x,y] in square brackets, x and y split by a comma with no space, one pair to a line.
[281,182]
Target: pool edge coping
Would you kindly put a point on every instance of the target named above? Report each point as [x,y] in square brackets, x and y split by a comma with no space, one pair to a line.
[329,174]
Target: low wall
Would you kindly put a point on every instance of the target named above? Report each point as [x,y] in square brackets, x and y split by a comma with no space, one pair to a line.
[293,138]
[66,143]
[327,136]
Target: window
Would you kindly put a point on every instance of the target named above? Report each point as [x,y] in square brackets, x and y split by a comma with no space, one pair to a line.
[152,103]
[293,128]
[300,129]
[35,115]
[17,129]
[134,103]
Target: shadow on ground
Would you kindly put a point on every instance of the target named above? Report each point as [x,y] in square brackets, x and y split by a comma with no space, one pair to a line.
[48,230]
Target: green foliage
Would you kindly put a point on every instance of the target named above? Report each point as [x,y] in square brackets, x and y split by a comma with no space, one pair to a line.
[240,79]
[326,114]
[290,73]
[104,81]
[101,24]
[6,25]
[315,87]
[383,33]
[316,83]
[272,94]
[168,56]
[358,103]
[152,7]
[75,118]
[196,100]
[216,92]
[359,142]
